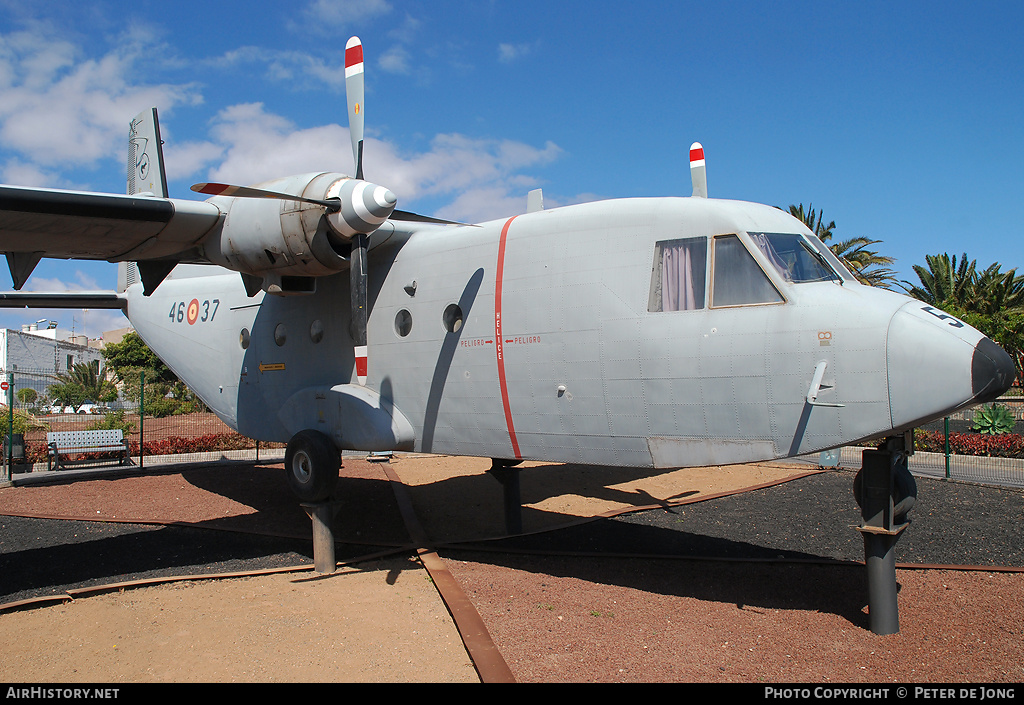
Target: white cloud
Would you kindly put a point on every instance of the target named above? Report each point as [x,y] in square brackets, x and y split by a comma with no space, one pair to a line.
[323,16]
[62,109]
[16,171]
[258,145]
[82,282]
[59,108]
[507,53]
[395,60]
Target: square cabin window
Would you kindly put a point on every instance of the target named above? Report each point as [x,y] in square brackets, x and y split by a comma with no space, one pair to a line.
[738,280]
[679,275]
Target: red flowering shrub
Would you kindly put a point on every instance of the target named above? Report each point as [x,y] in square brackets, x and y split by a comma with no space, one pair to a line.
[1006,445]
[36,452]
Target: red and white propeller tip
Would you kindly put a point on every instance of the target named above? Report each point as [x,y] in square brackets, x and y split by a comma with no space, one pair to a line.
[361,364]
[696,155]
[698,173]
[353,57]
[354,92]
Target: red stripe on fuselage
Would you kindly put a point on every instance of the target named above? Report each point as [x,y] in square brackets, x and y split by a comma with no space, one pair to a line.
[499,274]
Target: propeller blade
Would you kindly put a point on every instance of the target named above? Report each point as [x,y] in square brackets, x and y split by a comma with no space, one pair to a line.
[357,291]
[354,91]
[249,192]
[417,218]
[698,172]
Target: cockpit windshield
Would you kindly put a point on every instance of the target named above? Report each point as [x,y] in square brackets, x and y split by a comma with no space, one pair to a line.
[794,258]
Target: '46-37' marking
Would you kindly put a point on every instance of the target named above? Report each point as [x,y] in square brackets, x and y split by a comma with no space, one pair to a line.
[195,310]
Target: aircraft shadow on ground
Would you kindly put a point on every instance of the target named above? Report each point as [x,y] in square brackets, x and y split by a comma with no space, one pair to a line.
[472,504]
[695,536]
[95,553]
[839,589]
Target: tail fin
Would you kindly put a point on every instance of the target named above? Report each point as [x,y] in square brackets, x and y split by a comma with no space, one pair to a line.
[145,175]
[146,156]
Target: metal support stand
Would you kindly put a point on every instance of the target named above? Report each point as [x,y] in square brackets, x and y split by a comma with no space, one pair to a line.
[322,514]
[508,475]
[885,491]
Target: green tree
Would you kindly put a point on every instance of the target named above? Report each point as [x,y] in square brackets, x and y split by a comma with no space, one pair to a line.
[131,355]
[64,393]
[867,265]
[165,394]
[27,395]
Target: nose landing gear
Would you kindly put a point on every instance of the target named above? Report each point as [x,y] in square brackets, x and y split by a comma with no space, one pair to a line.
[885,491]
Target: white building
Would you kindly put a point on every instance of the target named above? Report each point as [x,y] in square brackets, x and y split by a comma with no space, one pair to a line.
[36,352]
[33,359]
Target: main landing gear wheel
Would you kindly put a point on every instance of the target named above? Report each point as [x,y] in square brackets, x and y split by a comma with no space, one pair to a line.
[312,463]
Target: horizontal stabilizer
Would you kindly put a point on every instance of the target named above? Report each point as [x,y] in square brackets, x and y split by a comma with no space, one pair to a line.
[65,299]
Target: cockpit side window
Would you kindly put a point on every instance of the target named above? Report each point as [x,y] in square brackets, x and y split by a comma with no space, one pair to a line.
[793,257]
[738,280]
[679,275]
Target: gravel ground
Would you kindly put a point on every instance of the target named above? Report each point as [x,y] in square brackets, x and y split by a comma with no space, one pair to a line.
[810,519]
[763,585]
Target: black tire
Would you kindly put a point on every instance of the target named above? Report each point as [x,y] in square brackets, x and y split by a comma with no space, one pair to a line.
[904,493]
[311,463]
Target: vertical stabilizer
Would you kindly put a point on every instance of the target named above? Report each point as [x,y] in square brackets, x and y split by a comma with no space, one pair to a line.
[146,156]
[145,175]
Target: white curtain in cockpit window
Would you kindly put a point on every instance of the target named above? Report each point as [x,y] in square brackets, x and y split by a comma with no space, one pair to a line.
[683,267]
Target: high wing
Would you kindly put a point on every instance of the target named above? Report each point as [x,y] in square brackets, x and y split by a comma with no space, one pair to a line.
[36,223]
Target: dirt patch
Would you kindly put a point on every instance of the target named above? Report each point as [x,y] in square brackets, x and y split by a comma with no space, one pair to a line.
[382,622]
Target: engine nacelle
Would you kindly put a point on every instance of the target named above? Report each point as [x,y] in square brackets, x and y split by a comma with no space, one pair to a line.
[276,237]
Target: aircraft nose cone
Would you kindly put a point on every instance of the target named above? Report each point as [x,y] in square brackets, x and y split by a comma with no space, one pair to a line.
[992,371]
[931,360]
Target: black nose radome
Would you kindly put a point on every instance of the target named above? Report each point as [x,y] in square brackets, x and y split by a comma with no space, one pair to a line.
[992,371]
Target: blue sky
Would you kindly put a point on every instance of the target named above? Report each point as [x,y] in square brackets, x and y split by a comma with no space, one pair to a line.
[901,121]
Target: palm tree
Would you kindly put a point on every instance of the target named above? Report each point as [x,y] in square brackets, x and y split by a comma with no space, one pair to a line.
[943,281]
[995,291]
[867,265]
[82,383]
[992,301]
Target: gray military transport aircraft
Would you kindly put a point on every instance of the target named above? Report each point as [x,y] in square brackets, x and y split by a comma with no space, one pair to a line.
[642,332]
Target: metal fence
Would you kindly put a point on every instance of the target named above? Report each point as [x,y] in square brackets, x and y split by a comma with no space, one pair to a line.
[159,431]
[168,430]
[952,449]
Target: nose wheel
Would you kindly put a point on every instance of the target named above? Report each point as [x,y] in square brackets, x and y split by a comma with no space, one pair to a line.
[312,463]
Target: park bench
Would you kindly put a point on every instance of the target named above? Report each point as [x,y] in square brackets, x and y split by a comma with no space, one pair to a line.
[63,444]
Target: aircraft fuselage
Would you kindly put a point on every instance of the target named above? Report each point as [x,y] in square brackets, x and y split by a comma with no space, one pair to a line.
[539,337]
